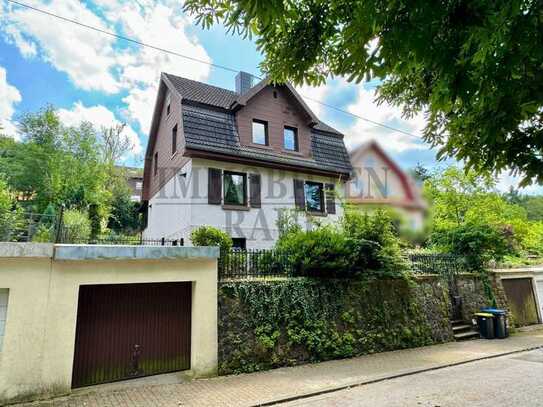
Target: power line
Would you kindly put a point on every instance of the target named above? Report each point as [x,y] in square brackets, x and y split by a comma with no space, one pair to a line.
[226,68]
[121,37]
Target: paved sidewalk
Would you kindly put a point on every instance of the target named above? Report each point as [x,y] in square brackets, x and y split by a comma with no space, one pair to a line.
[289,383]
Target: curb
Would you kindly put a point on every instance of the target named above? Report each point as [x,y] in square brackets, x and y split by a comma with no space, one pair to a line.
[389,377]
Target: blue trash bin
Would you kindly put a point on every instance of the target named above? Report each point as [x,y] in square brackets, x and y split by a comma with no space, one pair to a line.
[501,329]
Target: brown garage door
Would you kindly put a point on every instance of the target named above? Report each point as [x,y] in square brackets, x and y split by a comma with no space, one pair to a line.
[131,330]
[520,296]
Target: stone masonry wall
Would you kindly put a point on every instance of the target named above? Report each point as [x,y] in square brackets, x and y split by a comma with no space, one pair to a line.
[268,324]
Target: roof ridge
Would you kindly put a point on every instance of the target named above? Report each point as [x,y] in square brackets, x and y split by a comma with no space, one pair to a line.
[200,83]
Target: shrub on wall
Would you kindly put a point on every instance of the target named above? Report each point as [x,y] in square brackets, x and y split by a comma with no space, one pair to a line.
[362,246]
[263,325]
[210,236]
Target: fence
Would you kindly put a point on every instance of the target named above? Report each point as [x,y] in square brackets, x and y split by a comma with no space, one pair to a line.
[436,263]
[246,264]
[242,264]
[45,228]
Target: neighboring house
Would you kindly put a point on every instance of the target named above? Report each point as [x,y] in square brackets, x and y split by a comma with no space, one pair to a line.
[135,182]
[134,179]
[235,160]
[378,181]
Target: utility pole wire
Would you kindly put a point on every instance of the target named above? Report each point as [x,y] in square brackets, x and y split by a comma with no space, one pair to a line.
[226,68]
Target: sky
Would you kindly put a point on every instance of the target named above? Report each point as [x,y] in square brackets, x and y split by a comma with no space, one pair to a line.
[89,76]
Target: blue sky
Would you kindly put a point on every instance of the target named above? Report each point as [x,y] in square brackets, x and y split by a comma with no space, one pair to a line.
[90,76]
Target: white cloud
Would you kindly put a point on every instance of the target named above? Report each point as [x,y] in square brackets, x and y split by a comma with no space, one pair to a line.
[100,116]
[9,96]
[159,26]
[87,57]
[363,130]
[94,61]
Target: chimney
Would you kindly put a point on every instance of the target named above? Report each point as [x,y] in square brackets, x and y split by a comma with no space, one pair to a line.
[244,82]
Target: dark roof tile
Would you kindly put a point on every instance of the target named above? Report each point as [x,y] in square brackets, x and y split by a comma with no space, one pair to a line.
[213,131]
[203,93]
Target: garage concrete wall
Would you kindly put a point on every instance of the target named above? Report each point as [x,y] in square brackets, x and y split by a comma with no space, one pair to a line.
[43,285]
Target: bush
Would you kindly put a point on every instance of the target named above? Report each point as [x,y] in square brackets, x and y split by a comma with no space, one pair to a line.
[363,246]
[210,236]
[478,244]
[378,248]
[76,226]
[324,252]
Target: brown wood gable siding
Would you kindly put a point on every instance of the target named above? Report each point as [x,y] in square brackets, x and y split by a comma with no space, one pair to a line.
[278,112]
[168,165]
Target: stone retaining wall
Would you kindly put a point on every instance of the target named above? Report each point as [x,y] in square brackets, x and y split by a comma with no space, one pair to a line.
[268,324]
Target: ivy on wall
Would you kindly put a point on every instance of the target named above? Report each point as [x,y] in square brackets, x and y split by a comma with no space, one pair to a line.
[263,325]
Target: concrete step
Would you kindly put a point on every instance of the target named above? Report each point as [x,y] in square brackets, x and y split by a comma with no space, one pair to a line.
[457,321]
[466,335]
[462,327]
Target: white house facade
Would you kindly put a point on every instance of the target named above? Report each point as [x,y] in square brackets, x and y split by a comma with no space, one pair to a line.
[237,161]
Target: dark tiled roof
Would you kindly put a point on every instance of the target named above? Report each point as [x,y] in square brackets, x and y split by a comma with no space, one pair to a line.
[202,93]
[199,92]
[214,131]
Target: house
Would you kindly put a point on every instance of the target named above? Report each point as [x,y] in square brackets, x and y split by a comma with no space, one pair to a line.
[378,181]
[134,179]
[237,160]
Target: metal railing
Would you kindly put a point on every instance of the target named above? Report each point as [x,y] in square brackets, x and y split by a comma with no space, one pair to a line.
[254,263]
[437,263]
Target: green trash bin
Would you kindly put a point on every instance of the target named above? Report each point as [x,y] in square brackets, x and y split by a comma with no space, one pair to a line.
[485,322]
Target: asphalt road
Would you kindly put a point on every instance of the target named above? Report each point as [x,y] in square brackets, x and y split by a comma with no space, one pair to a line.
[514,380]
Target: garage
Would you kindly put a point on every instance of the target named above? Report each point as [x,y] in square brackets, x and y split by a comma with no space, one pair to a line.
[539,285]
[131,330]
[521,300]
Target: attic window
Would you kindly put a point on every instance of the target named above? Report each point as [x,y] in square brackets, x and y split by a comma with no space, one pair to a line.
[260,132]
[174,139]
[168,100]
[290,138]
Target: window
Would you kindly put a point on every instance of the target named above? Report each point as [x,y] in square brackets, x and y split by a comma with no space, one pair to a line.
[4,292]
[155,163]
[260,132]
[168,103]
[174,139]
[235,188]
[313,197]
[290,138]
[239,243]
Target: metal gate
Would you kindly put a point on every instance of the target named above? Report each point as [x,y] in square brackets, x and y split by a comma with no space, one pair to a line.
[520,296]
[131,330]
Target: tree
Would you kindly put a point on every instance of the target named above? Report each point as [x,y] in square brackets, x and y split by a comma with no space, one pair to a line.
[468,214]
[57,165]
[11,217]
[474,66]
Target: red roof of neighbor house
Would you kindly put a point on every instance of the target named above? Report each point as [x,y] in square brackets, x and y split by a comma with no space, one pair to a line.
[408,185]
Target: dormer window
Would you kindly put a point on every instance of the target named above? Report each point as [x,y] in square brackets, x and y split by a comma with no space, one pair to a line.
[260,132]
[290,138]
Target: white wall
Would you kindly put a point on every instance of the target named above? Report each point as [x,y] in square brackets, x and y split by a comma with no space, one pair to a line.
[37,355]
[257,225]
[170,209]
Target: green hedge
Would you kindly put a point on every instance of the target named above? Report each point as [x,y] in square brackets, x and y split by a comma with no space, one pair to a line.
[263,325]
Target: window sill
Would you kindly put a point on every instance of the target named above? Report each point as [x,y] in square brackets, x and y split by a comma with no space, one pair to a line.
[262,146]
[236,208]
[292,152]
[321,214]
